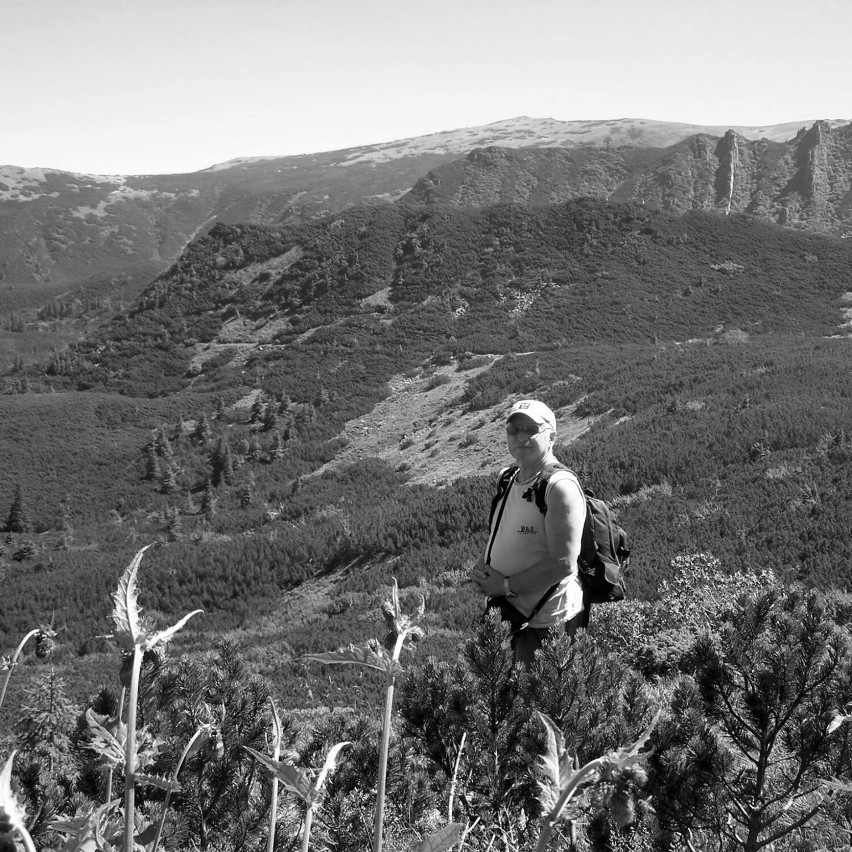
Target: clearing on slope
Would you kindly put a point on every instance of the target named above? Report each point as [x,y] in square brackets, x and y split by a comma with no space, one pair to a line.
[424,429]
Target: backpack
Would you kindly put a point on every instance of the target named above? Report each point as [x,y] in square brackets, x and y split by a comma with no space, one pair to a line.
[603,550]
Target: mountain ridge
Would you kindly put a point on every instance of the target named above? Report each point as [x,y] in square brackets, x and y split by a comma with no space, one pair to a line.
[524,131]
[804,182]
[65,228]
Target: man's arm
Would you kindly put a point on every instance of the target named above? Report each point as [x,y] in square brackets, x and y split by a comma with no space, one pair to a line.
[476,573]
[563,528]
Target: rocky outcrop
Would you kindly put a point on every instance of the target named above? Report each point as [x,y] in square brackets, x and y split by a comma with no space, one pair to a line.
[805,182]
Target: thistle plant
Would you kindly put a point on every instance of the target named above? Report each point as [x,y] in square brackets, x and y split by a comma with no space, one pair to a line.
[45,645]
[117,726]
[134,638]
[402,628]
[608,779]
[208,735]
[454,779]
[107,737]
[11,812]
[299,782]
[101,830]
[277,736]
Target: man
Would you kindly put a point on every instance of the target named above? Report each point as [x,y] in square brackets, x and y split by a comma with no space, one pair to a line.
[527,552]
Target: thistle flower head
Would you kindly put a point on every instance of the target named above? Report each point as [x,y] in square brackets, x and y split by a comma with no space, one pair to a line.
[400,623]
[208,738]
[153,660]
[622,808]
[615,789]
[215,747]
[619,776]
[622,774]
[44,640]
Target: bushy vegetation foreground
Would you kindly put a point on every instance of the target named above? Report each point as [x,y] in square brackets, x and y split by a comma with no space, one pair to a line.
[714,719]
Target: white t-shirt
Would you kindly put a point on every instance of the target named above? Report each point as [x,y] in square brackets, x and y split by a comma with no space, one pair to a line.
[519,541]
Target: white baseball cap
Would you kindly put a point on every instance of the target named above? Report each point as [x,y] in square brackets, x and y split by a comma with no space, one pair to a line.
[537,411]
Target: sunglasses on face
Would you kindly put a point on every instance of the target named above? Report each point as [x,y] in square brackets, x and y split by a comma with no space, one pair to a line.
[524,431]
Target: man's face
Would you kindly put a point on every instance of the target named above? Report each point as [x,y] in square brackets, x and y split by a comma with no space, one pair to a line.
[528,442]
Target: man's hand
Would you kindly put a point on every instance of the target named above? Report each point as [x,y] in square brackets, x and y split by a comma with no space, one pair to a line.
[487,580]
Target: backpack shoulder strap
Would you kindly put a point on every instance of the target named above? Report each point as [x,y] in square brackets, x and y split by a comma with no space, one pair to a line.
[504,481]
[540,486]
[498,504]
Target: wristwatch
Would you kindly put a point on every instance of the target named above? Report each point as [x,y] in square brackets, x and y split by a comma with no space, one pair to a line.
[507,591]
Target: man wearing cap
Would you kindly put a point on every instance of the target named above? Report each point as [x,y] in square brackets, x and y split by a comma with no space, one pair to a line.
[530,558]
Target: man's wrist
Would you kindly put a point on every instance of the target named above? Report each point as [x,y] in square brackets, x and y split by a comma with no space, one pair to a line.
[507,589]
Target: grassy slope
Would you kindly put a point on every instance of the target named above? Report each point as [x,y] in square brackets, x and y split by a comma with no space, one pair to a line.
[85,447]
[603,297]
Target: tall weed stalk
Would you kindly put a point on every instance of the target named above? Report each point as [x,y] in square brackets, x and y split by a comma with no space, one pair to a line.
[276,755]
[198,740]
[298,781]
[401,628]
[135,638]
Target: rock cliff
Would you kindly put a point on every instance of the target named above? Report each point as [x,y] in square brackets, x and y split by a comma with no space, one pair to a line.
[805,182]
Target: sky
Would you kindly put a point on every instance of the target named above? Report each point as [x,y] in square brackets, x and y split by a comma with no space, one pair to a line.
[165,86]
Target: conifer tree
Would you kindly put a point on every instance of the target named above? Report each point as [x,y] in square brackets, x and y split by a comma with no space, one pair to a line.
[47,766]
[270,419]
[152,463]
[221,464]
[201,433]
[163,446]
[19,518]
[173,523]
[484,699]
[753,739]
[168,480]
[253,450]
[277,451]
[189,505]
[208,502]
[322,396]
[218,804]
[46,719]
[258,409]
[593,696]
